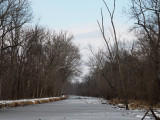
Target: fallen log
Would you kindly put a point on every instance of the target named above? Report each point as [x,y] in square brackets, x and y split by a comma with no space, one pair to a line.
[154,115]
[152,111]
[146,114]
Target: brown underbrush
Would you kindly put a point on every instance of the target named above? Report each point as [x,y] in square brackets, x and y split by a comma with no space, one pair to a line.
[133,104]
[30,102]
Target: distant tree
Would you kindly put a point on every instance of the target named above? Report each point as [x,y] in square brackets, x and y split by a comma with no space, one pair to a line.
[14,14]
[147,22]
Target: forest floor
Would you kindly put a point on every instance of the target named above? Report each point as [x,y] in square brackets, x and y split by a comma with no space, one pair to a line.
[74,108]
[134,104]
[137,105]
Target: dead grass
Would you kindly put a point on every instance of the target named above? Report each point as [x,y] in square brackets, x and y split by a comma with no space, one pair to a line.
[14,104]
[2,105]
[157,105]
[44,101]
[57,99]
[134,104]
[25,103]
[21,103]
[115,101]
[37,102]
[51,100]
[138,104]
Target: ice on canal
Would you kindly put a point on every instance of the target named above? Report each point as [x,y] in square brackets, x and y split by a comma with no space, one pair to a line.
[74,108]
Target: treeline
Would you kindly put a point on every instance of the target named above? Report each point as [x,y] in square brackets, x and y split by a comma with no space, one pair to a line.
[34,61]
[125,72]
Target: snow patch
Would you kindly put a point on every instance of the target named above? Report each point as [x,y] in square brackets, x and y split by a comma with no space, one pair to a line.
[141,116]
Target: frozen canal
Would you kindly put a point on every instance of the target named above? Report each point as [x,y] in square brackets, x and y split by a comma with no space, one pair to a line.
[75,108]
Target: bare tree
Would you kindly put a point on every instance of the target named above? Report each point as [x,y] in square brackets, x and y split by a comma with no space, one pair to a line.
[13,15]
[102,29]
[147,21]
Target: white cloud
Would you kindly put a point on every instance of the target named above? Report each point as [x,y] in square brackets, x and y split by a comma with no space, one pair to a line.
[89,34]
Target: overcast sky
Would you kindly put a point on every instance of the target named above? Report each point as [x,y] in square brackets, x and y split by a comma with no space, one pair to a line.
[79,17]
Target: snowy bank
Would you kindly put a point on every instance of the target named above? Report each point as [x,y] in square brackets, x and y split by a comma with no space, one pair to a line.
[25,102]
[137,105]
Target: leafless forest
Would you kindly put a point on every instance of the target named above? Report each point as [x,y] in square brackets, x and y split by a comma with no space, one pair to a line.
[34,61]
[132,70]
[38,62]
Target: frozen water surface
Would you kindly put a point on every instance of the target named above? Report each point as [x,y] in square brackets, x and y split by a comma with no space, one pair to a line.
[74,108]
